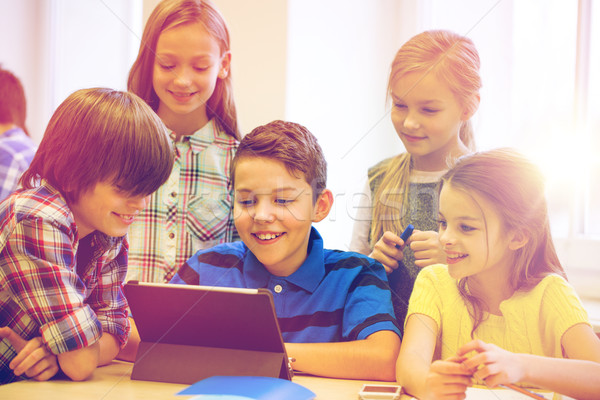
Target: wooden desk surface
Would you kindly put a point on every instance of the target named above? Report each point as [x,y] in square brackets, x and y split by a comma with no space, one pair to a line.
[112,382]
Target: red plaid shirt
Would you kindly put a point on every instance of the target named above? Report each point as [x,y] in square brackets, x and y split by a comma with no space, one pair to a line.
[67,291]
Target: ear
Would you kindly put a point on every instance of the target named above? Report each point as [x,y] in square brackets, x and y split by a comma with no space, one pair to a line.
[225,65]
[518,239]
[471,108]
[322,205]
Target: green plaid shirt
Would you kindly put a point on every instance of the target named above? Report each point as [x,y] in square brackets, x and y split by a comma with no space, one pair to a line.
[190,212]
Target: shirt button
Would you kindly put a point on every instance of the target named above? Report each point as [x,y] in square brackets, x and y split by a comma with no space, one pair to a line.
[173,194]
[278,288]
[171,235]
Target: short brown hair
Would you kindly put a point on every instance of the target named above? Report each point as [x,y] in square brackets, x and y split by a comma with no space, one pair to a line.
[102,135]
[290,143]
[13,104]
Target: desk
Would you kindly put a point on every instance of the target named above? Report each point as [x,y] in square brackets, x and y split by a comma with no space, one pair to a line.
[112,382]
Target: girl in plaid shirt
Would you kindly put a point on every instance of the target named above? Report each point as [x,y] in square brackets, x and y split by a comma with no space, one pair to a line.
[183,71]
[63,251]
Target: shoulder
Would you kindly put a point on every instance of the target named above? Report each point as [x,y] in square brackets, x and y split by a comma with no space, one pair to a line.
[437,274]
[349,260]
[381,165]
[222,139]
[552,284]
[212,260]
[43,202]
[225,255]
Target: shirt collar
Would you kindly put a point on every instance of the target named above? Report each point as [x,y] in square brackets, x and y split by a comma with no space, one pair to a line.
[207,135]
[308,276]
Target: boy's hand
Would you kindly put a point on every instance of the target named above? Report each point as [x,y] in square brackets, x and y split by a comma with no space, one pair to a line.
[388,251]
[33,359]
[492,364]
[427,248]
[448,379]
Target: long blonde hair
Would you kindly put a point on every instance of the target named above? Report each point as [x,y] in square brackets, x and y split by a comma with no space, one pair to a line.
[515,187]
[170,13]
[455,61]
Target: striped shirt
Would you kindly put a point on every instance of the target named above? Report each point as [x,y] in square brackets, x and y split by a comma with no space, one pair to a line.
[16,152]
[191,211]
[334,296]
[67,291]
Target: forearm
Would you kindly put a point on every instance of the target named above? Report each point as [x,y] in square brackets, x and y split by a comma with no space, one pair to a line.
[109,348]
[79,364]
[129,352]
[411,373]
[372,358]
[574,378]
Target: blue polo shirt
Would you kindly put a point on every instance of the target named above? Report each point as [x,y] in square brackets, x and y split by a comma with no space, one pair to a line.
[334,296]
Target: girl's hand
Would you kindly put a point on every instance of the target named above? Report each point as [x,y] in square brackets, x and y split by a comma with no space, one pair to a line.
[427,248]
[448,379]
[388,251]
[492,364]
[33,359]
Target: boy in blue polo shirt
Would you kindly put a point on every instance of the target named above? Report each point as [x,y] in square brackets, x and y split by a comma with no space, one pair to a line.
[334,308]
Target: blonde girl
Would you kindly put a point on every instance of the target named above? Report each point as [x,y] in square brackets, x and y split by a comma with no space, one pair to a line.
[434,86]
[501,310]
[183,71]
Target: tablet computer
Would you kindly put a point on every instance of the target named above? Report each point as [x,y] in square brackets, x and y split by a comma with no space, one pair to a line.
[189,332]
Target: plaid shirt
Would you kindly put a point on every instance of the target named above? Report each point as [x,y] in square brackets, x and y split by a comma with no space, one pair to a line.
[16,152]
[67,291]
[190,212]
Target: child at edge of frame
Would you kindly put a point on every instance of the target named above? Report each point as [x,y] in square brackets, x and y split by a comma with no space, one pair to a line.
[63,246]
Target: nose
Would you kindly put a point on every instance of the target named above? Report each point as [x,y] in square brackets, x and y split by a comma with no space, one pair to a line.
[446,237]
[411,122]
[263,212]
[183,77]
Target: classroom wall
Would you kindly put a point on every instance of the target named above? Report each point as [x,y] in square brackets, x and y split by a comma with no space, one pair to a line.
[325,64]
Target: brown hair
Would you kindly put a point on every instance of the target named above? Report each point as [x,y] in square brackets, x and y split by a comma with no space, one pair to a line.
[455,61]
[102,135]
[290,143]
[13,104]
[170,13]
[515,187]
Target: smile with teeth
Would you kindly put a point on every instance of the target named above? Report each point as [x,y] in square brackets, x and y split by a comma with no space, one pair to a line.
[183,94]
[267,236]
[452,258]
[127,217]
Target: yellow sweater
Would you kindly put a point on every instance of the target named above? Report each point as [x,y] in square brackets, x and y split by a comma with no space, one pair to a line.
[532,322]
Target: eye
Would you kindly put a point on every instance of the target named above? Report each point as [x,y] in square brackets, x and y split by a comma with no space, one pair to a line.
[430,110]
[400,106]
[467,228]
[200,69]
[283,202]
[166,67]
[245,202]
[442,224]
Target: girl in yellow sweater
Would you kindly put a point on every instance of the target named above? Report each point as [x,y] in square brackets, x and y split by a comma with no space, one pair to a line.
[501,310]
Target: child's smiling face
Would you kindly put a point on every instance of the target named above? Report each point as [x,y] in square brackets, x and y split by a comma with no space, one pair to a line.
[427,118]
[187,65]
[273,212]
[107,209]
[472,234]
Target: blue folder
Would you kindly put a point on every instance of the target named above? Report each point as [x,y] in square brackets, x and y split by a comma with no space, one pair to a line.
[247,388]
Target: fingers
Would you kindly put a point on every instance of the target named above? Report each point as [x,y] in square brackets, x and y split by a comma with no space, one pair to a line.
[15,340]
[448,379]
[386,252]
[32,359]
[427,248]
[474,345]
[30,354]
